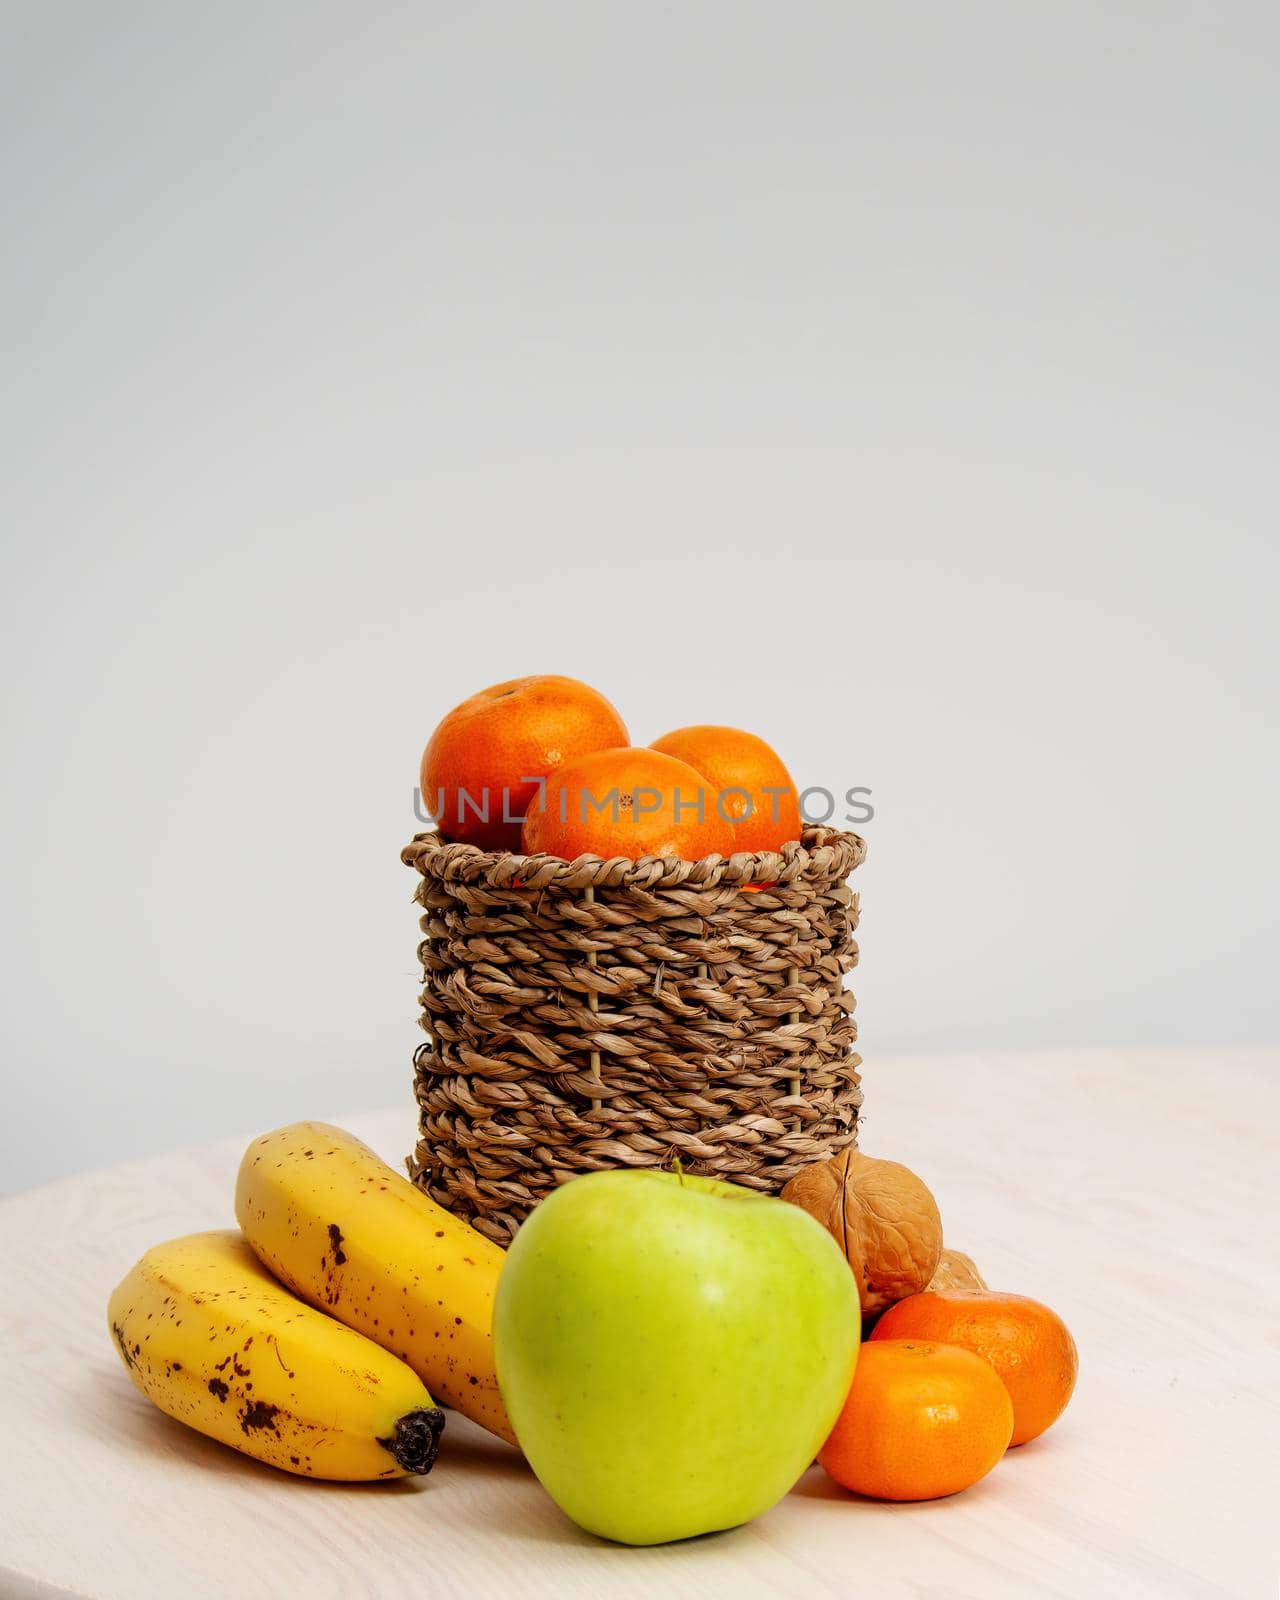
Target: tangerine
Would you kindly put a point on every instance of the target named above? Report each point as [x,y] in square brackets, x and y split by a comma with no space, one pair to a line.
[626,802]
[921,1420]
[1028,1345]
[749,782]
[482,765]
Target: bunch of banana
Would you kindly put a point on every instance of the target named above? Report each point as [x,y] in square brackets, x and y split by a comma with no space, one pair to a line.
[360,1242]
[211,1337]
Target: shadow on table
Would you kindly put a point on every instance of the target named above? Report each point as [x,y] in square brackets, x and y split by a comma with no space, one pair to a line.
[818,1485]
[110,1409]
[538,1520]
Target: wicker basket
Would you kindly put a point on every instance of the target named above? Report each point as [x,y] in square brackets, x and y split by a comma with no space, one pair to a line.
[594,1014]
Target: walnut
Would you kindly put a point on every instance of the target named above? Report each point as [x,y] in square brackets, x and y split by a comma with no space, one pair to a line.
[883,1218]
[957,1274]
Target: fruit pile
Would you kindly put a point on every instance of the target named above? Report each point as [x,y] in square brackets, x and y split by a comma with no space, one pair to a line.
[670,1352]
[543,765]
[952,1374]
[321,1335]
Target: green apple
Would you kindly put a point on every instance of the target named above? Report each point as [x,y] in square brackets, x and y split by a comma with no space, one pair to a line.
[672,1351]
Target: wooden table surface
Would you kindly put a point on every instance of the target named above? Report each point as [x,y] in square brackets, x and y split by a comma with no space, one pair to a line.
[1132,1190]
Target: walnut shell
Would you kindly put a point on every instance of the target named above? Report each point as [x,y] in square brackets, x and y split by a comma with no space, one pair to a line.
[883,1218]
[957,1274]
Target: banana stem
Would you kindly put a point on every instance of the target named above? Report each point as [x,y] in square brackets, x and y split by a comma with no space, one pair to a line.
[416,1440]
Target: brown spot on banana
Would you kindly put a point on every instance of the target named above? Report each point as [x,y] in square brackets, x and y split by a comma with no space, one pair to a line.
[125,1355]
[258,1414]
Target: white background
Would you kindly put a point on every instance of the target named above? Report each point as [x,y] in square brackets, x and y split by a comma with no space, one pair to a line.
[898,382]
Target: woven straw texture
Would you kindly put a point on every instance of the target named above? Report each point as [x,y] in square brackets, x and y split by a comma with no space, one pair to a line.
[592,1014]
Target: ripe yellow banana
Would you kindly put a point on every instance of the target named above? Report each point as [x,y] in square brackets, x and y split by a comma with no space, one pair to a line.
[364,1244]
[209,1335]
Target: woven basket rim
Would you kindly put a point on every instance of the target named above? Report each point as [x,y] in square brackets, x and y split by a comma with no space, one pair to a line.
[821,853]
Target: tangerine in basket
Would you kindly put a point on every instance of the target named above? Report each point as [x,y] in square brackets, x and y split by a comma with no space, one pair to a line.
[626,802]
[481,766]
[1029,1346]
[748,778]
[921,1420]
